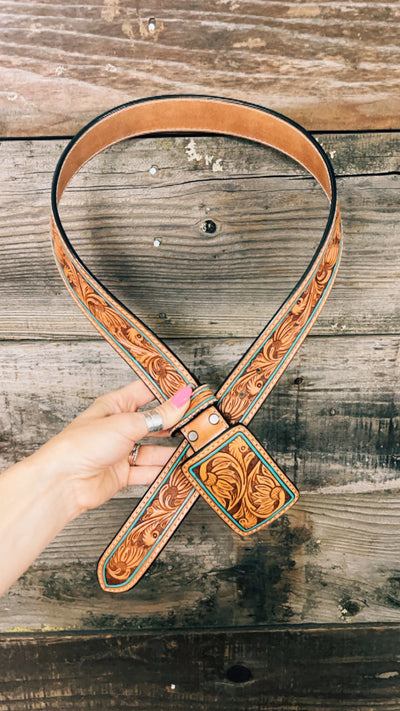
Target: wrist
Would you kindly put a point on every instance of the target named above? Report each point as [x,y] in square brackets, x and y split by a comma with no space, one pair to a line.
[53,480]
[34,507]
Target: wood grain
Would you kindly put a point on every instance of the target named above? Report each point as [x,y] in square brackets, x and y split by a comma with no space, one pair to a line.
[269,219]
[332,559]
[340,389]
[355,668]
[286,597]
[327,65]
[332,421]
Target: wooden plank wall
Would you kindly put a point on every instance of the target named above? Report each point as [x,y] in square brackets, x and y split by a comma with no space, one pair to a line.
[318,592]
[346,668]
[330,65]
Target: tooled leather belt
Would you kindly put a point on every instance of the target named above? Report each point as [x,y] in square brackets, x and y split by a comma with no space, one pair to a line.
[218,459]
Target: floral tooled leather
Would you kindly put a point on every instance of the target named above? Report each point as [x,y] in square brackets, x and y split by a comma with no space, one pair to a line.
[202,397]
[271,350]
[142,530]
[240,481]
[112,322]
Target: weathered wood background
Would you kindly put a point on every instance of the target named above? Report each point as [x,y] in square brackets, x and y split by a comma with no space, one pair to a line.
[330,65]
[320,588]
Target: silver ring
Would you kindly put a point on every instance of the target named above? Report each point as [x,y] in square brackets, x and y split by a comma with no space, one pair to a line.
[132,457]
[154,421]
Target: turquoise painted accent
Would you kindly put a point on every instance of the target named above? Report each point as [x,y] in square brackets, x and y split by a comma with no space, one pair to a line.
[138,518]
[117,342]
[190,413]
[275,474]
[289,351]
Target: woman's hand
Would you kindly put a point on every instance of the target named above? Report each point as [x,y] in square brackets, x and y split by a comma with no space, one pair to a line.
[93,450]
[78,469]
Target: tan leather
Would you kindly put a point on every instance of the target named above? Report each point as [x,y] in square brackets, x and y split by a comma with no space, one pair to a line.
[191,114]
[202,398]
[205,430]
[219,458]
[240,481]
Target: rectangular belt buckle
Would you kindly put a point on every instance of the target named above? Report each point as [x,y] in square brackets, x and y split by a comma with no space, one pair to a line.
[240,481]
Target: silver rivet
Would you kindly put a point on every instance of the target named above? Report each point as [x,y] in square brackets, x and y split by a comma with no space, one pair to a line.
[192,436]
[214,418]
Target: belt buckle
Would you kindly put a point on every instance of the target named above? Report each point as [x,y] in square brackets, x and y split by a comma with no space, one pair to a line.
[240,481]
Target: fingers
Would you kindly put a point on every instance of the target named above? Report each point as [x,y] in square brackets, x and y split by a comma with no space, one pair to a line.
[131,397]
[142,476]
[126,399]
[134,425]
[153,455]
[150,460]
[177,404]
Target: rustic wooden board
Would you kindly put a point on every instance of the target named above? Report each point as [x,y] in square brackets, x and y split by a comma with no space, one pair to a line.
[332,421]
[331,559]
[269,219]
[354,668]
[339,389]
[328,65]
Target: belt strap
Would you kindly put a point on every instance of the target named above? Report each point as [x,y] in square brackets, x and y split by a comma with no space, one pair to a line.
[219,458]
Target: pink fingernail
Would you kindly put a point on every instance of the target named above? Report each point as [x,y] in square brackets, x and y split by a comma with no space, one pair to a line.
[182,396]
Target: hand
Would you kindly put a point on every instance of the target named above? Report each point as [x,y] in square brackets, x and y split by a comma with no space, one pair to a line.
[80,468]
[93,450]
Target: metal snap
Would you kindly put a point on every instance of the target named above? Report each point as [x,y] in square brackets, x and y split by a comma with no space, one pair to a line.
[213,418]
[192,436]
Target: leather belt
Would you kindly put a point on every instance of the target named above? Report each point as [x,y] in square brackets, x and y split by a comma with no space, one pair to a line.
[218,459]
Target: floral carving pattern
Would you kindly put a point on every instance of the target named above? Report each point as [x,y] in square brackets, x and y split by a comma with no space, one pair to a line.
[234,475]
[243,393]
[141,348]
[142,537]
[242,484]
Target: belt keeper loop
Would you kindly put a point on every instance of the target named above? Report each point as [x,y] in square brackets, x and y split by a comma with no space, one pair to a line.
[202,397]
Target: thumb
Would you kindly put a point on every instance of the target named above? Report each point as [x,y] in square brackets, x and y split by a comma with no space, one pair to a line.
[133,425]
[172,410]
